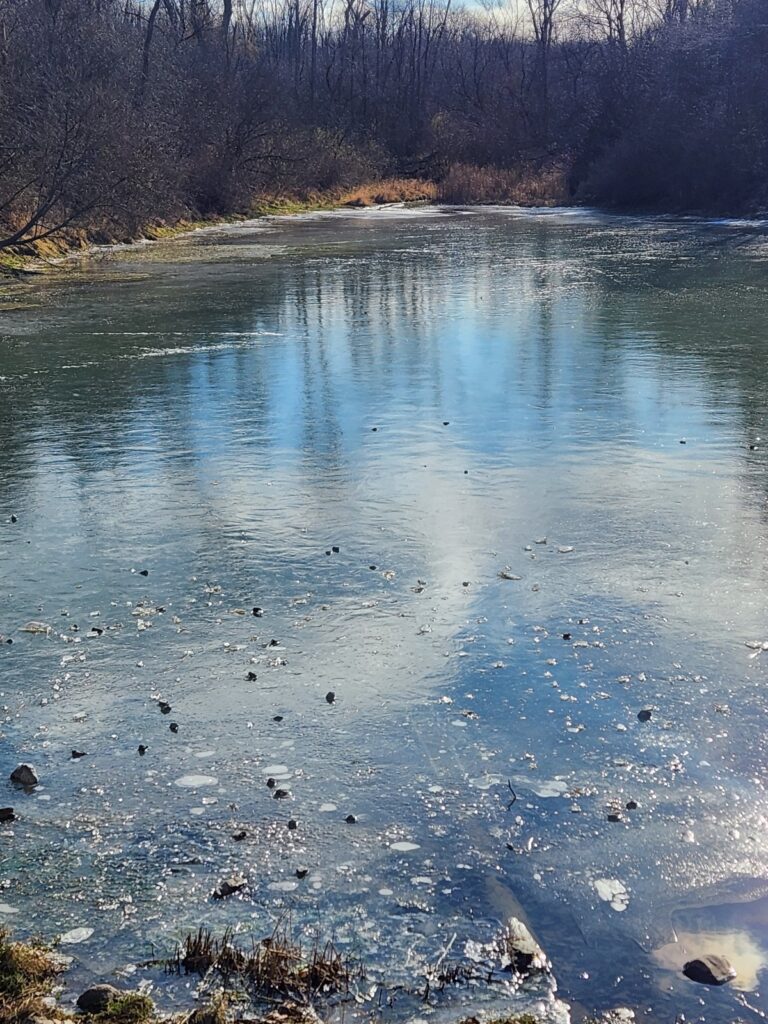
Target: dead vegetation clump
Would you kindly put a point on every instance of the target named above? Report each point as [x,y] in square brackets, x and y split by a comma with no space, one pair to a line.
[279,965]
[27,973]
[468,184]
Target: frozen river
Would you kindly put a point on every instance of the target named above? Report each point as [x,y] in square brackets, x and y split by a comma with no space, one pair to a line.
[534,440]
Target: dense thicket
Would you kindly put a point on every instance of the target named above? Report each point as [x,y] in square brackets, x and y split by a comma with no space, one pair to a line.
[115,112]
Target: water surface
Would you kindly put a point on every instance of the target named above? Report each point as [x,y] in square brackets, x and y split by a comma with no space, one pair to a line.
[435,393]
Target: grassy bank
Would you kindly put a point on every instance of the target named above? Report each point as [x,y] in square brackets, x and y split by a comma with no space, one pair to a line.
[37,257]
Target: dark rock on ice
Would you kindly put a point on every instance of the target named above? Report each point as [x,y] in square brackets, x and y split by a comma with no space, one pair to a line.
[710,969]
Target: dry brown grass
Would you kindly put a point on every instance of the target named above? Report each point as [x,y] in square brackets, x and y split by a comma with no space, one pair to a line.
[467,184]
[279,965]
[27,973]
[392,190]
[376,193]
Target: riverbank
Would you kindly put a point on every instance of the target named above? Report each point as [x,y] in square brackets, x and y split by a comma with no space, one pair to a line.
[275,981]
[464,185]
[38,257]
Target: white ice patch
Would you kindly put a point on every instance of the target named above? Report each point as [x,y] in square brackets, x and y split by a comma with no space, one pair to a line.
[75,935]
[612,891]
[404,847]
[194,781]
[552,787]
[486,781]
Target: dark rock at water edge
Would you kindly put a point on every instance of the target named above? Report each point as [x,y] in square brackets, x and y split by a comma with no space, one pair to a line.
[98,998]
[6,814]
[710,969]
